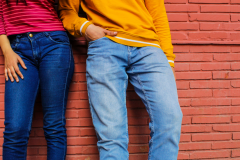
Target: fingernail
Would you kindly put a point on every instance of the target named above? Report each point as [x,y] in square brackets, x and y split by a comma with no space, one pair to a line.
[22,77]
[115,32]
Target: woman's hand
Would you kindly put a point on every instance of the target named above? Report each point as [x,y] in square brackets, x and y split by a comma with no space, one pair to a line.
[11,66]
[95,32]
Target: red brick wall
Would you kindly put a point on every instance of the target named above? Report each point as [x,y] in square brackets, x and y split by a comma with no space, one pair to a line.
[206,37]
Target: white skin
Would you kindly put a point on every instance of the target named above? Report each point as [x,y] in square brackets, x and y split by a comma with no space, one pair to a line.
[12,59]
[94,32]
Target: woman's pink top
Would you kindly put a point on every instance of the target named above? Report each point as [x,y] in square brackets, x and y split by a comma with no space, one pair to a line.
[34,16]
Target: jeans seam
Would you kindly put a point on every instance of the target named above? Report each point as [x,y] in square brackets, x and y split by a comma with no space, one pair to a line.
[150,111]
[125,87]
[70,59]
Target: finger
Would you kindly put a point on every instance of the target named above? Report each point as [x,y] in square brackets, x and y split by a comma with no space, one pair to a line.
[110,33]
[14,74]
[6,75]
[21,62]
[17,70]
[10,75]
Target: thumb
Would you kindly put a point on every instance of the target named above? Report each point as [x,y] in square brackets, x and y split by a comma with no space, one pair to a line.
[109,33]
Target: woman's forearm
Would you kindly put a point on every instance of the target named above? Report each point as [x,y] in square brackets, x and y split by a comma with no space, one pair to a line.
[4,43]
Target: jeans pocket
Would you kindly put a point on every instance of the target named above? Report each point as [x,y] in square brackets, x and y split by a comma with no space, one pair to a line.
[59,37]
[14,45]
[96,40]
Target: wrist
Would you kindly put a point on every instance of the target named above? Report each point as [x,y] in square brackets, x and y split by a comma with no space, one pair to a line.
[6,50]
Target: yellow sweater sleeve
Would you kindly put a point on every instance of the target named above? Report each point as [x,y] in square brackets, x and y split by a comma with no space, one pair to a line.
[74,24]
[157,10]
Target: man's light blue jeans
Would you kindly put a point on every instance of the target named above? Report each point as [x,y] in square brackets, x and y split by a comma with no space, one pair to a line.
[109,67]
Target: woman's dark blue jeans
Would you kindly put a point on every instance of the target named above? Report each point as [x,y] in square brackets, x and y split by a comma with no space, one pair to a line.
[50,65]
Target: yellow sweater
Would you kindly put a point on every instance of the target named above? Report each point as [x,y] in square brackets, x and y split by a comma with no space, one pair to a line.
[139,23]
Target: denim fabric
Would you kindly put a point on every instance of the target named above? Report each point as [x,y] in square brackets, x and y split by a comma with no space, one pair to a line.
[109,67]
[49,61]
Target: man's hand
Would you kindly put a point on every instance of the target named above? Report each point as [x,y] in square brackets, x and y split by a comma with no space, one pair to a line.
[95,32]
[174,72]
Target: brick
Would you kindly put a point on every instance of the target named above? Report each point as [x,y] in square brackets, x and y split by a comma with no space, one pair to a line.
[235,36]
[194,58]
[138,148]
[185,138]
[184,102]
[209,66]
[81,141]
[183,26]
[137,113]
[73,95]
[206,17]
[235,102]
[183,155]
[138,130]
[80,68]
[181,67]
[225,145]
[196,128]
[227,128]
[181,8]
[77,104]
[236,135]
[193,75]
[226,93]
[211,137]
[207,1]
[182,85]
[235,152]
[89,150]
[179,36]
[236,119]
[235,84]
[186,120]
[87,132]
[194,146]
[84,113]
[210,110]
[138,156]
[210,154]
[226,75]
[211,119]
[195,93]
[138,139]
[81,157]
[209,49]
[181,49]
[137,121]
[220,8]
[235,1]
[236,49]
[209,84]
[177,17]
[175,1]
[235,17]
[209,36]
[219,26]
[235,66]
[71,114]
